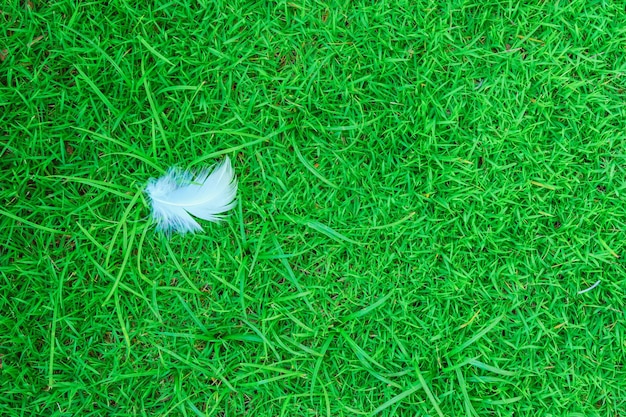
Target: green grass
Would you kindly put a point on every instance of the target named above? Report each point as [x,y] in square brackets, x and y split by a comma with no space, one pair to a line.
[425,187]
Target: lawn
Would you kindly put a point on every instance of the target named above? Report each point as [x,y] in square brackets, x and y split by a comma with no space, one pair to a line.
[426,191]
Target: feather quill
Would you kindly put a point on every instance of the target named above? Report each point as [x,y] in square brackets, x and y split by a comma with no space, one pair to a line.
[180,194]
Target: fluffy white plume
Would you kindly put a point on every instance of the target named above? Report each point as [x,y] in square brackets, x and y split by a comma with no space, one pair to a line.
[179,194]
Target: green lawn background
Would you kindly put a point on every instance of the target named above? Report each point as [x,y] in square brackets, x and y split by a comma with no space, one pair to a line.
[424,189]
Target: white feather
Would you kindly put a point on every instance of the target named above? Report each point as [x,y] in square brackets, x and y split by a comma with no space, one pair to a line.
[178,195]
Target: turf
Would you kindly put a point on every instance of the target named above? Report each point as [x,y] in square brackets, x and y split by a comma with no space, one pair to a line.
[424,189]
